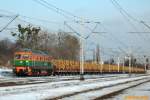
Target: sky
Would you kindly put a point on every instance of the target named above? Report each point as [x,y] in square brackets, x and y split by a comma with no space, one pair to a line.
[117,28]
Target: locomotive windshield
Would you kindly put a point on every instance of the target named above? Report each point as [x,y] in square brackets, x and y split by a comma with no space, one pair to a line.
[18,56]
[25,56]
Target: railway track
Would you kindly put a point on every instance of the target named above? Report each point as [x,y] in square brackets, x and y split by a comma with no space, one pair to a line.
[36,80]
[117,91]
[102,93]
[4,91]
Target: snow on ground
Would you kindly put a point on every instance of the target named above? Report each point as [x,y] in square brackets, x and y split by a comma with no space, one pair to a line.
[50,90]
[141,92]
[5,72]
[91,95]
[54,88]
[54,84]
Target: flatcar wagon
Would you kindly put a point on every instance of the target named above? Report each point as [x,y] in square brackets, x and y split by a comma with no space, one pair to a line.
[73,67]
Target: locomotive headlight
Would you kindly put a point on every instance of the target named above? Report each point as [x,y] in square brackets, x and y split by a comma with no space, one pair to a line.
[21,62]
[27,61]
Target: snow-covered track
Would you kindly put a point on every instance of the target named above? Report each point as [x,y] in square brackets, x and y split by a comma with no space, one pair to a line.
[58,84]
[58,89]
[102,93]
[36,80]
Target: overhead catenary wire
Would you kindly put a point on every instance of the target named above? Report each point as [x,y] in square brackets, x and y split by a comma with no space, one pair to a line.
[145,24]
[2,16]
[25,19]
[78,34]
[11,14]
[92,30]
[131,17]
[128,18]
[9,23]
[59,9]
[124,11]
[55,9]
[113,37]
[41,20]
[62,12]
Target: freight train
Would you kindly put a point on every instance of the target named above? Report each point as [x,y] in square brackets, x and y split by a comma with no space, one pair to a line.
[36,63]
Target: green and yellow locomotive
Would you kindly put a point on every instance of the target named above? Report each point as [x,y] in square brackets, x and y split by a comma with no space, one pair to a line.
[31,63]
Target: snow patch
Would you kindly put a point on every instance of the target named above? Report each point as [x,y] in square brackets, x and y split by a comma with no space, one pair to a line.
[5,72]
[49,91]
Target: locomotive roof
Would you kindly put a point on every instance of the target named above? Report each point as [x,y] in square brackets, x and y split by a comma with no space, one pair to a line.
[34,51]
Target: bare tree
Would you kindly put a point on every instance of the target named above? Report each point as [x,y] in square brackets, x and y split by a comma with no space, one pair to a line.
[27,37]
[6,51]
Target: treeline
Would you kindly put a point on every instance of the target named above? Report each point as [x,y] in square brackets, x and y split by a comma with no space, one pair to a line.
[59,45]
[7,49]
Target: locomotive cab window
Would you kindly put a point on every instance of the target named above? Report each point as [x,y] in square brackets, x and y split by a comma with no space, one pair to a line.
[25,56]
[18,56]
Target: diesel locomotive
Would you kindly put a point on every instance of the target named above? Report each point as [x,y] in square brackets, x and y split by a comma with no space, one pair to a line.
[30,63]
